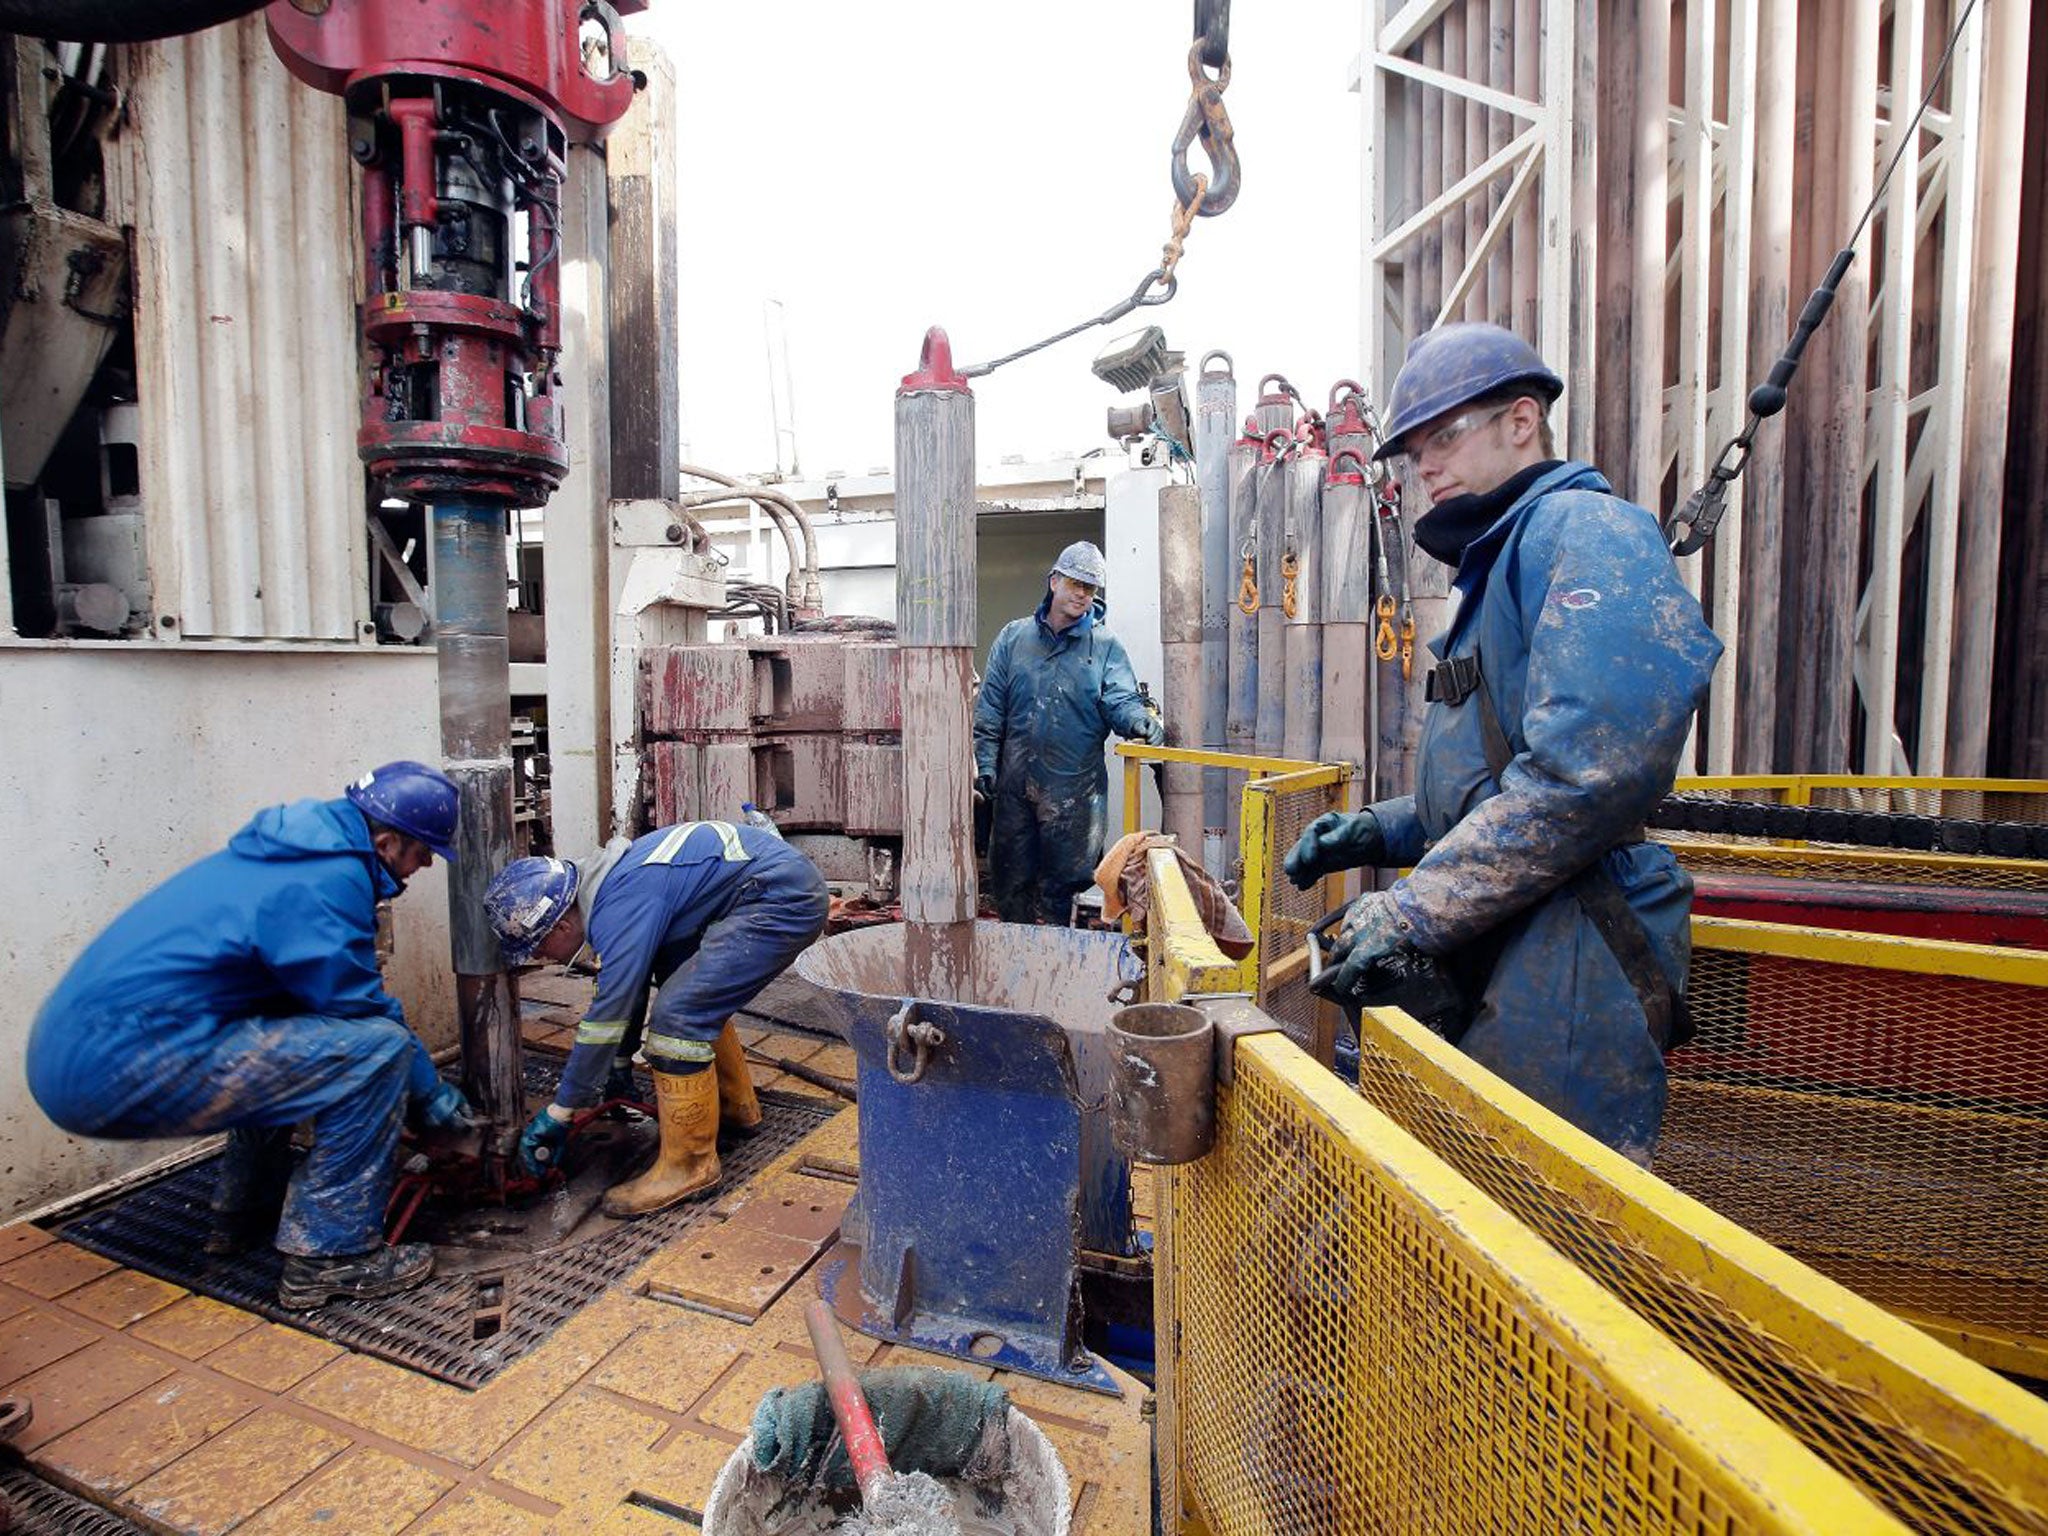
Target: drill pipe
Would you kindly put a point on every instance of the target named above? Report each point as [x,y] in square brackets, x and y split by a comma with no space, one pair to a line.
[1215,424]
[476,748]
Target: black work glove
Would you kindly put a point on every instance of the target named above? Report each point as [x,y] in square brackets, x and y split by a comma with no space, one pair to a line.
[1335,840]
[984,786]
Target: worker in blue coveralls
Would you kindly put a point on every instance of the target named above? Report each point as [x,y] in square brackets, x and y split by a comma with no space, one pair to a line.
[707,912]
[1056,684]
[242,995]
[1561,700]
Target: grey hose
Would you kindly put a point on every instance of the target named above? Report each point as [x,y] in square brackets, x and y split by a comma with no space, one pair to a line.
[777,514]
[764,496]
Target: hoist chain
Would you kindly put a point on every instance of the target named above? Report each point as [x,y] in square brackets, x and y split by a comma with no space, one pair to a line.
[1196,195]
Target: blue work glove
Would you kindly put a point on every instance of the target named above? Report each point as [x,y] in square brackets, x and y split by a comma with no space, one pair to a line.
[542,1142]
[1372,930]
[445,1109]
[1155,731]
[1334,841]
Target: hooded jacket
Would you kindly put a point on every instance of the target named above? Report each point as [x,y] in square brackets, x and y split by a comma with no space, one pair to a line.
[280,923]
[1050,699]
[1595,658]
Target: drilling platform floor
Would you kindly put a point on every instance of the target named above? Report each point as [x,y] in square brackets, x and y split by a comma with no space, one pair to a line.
[183,1414]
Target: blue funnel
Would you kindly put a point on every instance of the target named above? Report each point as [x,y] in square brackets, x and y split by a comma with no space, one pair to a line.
[986,1163]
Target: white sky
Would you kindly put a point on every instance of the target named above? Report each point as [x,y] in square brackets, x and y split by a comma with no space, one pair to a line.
[999,167]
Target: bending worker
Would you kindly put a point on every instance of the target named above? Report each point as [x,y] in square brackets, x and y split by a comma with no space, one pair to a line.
[1056,684]
[707,912]
[1560,702]
[242,995]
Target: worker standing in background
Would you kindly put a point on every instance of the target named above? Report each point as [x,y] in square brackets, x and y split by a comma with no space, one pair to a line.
[707,912]
[242,995]
[1056,684]
[1561,701]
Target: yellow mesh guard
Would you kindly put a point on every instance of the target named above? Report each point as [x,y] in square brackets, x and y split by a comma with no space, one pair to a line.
[1734,855]
[1939,1441]
[1277,811]
[1367,1342]
[1973,799]
[1878,1107]
[2021,800]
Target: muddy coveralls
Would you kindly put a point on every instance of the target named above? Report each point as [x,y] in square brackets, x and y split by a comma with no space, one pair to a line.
[1595,658]
[242,995]
[1048,702]
[710,913]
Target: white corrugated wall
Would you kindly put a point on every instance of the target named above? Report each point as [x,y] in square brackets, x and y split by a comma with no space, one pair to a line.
[237,182]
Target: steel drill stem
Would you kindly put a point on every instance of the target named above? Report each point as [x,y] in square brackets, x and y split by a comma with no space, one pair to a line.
[476,745]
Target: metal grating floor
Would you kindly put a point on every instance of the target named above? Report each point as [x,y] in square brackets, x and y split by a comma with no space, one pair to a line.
[38,1508]
[462,1329]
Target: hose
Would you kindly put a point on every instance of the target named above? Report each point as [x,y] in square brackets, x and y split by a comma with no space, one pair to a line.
[777,514]
[764,496]
[118,21]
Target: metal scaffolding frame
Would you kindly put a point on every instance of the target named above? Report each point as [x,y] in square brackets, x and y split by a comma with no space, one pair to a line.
[1511,151]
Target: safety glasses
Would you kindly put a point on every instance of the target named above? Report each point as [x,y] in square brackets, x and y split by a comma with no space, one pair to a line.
[1443,439]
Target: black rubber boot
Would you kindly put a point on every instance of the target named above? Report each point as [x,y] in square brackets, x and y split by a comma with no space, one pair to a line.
[248,1196]
[313,1282]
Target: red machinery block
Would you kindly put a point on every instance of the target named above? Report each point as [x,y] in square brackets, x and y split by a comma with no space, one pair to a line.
[874,788]
[874,690]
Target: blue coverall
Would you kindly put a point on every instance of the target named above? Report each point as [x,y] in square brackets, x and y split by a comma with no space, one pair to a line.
[710,913]
[1596,658]
[243,995]
[1048,702]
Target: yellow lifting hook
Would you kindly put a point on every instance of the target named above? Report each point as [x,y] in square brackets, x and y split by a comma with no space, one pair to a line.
[1384,645]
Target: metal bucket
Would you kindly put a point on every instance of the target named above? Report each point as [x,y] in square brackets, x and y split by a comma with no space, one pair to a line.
[1037,1500]
[1163,1082]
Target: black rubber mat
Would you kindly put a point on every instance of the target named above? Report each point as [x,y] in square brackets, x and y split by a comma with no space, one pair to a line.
[464,1328]
[43,1509]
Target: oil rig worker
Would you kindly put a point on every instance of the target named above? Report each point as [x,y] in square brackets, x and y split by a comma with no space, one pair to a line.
[242,995]
[708,913]
[1562,696]
[1056,684]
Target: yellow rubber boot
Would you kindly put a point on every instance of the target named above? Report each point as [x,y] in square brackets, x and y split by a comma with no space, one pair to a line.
[739,1108]
[686,1109]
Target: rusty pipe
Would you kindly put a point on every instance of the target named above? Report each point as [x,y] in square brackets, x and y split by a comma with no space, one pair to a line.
[1163,1082]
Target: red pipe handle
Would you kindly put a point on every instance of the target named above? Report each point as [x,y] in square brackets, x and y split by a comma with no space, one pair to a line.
[864,1446]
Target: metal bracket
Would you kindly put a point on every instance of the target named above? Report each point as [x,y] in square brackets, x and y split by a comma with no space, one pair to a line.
[1234,1016]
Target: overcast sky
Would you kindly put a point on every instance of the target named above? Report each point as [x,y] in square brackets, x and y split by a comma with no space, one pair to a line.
[1000,169]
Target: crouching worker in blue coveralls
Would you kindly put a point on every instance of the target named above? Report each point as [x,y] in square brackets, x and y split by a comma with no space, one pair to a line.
[1056,684]
[1561,701]
[242,995]
[707,912]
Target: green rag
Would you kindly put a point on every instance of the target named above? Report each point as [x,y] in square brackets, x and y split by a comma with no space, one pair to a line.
[941,1423]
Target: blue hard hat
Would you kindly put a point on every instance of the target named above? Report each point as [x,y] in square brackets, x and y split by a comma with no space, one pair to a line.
[1082,562]
[525,901]
[412,798]
[1455,363]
